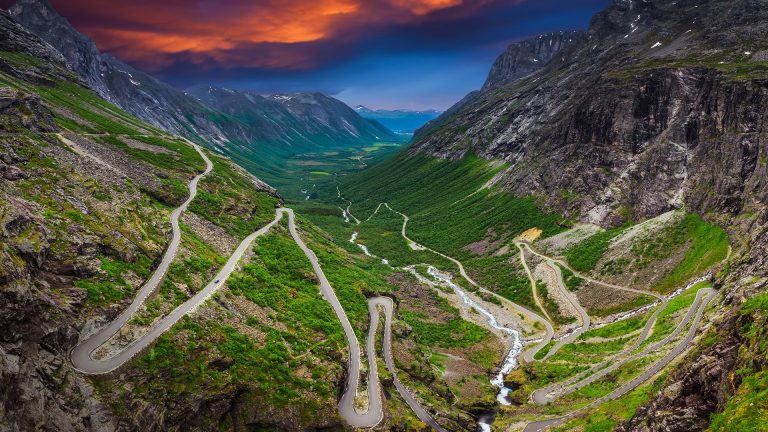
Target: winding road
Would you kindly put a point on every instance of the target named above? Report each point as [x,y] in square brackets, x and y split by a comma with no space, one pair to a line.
[589,279]
[386,304]
[598,371]
[703,297]
[586,321]
[546,395]
[529,354]
[534,288]
[373,415]
[82,354]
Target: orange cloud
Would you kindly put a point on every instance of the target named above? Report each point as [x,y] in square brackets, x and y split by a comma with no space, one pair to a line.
[152,32]
[422,7]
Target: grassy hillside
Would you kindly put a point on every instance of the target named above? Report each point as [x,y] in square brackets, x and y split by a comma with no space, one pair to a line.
[446,201]
[85,200]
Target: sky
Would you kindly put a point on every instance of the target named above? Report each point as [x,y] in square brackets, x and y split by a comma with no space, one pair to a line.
[412,54]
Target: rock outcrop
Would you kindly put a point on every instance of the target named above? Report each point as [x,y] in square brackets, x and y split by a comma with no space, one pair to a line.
[629,123]
[528,56]
[24,112]
[519,60]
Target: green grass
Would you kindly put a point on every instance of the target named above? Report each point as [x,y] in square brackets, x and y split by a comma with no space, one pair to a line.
[111,286]
[668,320]
[184,157]
[72,125]
[281,278]
[709,246]
[184,368]
[351,276]
[503,277]
[618,328]
[486,357]
[226,198]
[746,409]
[758,303]
[88,106]
[382,235]
[585,255]
[438,196]
[572,282]
[193,268]
[581,351]
[607,416]
[541,374]
[634,303]
[731,64]
[456,333]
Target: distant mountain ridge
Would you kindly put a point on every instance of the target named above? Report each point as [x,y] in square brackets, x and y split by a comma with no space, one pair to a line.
[230,124]
[399,120]
[300,120]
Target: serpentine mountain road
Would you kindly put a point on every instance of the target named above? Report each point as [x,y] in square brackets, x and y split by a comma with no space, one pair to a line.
[386,304]
[81,355]
[541,396]
[373,415]
[571,297]
[700,305]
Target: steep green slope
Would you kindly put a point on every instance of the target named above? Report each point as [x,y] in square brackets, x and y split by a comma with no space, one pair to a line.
[448,201]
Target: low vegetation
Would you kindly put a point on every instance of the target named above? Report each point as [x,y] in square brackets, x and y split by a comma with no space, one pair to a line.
[454,333]
[227,198]
[585,255]
[708,247]
[745,409]
[455,210]
[504,276]
[551,305]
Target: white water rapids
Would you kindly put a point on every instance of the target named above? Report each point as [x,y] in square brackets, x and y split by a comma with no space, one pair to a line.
[364,248]
[510,361]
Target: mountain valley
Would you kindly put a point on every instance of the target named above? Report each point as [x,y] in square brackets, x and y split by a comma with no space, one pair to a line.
[578,245]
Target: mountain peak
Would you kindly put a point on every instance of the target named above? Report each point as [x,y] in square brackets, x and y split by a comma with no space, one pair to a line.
[79,51]
[529,55]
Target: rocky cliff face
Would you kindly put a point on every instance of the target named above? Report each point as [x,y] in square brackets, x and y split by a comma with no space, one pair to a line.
[661,105]
[79,52]
[519,60]
[528,56]
[627,117]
